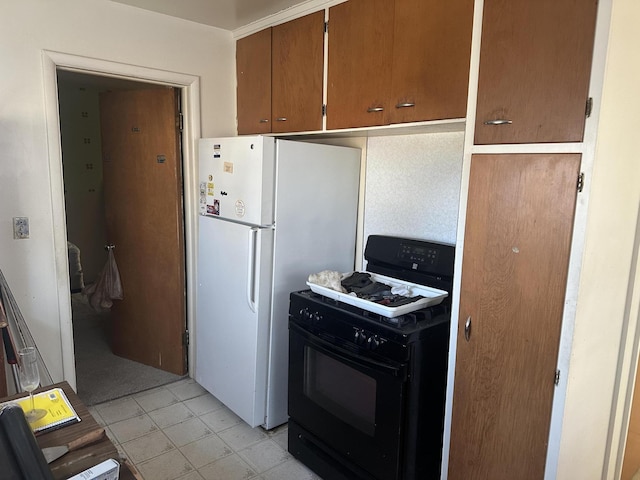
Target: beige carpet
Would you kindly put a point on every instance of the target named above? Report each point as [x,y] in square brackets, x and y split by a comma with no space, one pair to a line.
[101,375]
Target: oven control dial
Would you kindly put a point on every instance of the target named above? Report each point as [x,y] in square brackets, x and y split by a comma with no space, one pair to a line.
[374,341]
[360,337]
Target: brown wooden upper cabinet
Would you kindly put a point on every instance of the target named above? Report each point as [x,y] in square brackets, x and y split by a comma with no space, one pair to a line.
[280,74]
[416,71]
[535,62]
[253,73]
[297,65]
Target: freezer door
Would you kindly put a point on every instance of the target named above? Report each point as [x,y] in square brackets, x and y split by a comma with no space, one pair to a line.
[232,322]
[237,177]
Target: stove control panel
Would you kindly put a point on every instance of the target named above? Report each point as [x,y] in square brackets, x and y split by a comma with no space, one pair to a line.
[311,316]
[418,254]
[393,256]
[344,329]
[368,340]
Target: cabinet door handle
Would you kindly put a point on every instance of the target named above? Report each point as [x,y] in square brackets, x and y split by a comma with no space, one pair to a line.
[405,105]
[281,119]
[375,109]
[499,121]
[264,120]
[467,329]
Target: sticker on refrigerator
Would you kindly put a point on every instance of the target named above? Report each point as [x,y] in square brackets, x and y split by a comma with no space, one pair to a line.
[240,210]
[228,167]
[216,151]
[214,209]
[203,198]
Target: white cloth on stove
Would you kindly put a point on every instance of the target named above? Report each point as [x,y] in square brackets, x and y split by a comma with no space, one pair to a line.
[329,279]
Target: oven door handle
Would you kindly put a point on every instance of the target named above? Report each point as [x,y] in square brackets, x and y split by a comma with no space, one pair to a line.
[346,356]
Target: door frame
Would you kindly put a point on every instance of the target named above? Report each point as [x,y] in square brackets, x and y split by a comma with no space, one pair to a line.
[189,86]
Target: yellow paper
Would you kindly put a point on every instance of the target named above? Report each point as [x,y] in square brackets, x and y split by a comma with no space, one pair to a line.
[57,405]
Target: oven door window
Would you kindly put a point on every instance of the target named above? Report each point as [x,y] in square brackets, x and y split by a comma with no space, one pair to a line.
[345,392]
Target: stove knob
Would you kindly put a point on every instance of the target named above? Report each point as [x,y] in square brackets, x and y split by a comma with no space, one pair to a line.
[373,342]
[316,317]
[360,337]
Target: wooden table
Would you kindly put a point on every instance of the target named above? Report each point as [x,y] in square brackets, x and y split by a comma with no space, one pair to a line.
[83,458]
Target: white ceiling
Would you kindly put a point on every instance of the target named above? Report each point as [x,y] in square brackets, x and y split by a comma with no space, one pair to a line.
[226,14]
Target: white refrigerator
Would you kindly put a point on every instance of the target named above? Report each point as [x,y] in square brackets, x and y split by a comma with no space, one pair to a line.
[271,212]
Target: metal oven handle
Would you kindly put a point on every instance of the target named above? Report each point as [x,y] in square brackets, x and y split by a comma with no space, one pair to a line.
[346,356]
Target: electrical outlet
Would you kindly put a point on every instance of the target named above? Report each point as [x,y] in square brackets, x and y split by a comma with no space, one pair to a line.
[20,227]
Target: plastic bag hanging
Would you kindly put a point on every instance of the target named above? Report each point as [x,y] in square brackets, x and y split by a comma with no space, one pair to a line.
[108,287]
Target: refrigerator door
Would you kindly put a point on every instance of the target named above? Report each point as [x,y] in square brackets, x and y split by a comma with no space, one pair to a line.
[237,178]
[316,218]
[232,323]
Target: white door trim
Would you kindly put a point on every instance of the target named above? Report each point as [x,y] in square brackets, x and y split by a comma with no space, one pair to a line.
[190,88]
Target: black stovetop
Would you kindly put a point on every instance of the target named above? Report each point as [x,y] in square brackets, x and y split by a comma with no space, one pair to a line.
[402,329]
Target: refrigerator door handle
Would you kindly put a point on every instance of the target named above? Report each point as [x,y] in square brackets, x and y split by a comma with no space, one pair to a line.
[252,274]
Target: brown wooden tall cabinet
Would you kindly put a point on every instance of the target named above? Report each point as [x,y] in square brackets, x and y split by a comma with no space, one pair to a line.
[533,81]
[517,242]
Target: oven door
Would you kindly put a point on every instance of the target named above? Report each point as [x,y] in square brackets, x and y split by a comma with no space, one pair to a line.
[351,403]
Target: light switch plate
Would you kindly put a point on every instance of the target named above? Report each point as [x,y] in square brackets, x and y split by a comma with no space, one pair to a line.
[20,227]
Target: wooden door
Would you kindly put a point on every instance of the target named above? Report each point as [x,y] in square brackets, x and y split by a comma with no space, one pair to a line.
[516,253]
[359,63]
[144,213]
[253,70]
[535,62]
[297,74]
[430,67]
[631,460]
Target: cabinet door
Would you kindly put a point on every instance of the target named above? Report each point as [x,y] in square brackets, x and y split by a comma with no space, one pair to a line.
[535,63]
[359,70]
[253,71]
[297,74]
[430,67]
[516,253]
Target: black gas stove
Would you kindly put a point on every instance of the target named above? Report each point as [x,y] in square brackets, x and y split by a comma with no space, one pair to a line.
[366,391]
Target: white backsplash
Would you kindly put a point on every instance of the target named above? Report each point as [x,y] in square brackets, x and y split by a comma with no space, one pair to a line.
[413,186]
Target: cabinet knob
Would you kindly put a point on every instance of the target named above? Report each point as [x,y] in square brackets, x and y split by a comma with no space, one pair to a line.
[499,121]
[467,329]
[405,105]
[264,120]
[375,109]
[281,119]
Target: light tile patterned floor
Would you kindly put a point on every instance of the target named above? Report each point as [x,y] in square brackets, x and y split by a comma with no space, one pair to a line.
[180,431]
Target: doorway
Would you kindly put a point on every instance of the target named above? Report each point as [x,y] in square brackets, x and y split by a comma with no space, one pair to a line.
[101,375]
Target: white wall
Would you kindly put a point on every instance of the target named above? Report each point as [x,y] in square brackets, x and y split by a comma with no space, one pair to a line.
[605,287]
[97,29]
[413,186]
